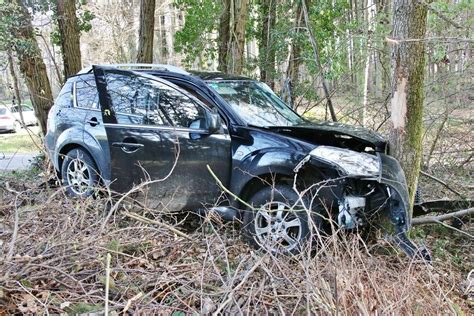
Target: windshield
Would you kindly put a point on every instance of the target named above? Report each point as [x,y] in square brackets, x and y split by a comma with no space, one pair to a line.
[256,103]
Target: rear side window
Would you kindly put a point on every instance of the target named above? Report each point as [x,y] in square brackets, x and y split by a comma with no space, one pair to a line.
[142,101]
[65,96]
[86,94]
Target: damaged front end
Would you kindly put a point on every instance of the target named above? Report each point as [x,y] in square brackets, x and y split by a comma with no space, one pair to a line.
[364,189]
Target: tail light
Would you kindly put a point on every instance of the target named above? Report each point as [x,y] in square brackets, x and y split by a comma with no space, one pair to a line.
[4,117]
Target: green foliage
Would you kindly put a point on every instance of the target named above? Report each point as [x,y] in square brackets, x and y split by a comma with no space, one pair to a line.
[196,39]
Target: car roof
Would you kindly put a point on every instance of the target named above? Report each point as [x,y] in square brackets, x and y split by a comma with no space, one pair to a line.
[160,68]
[216,76]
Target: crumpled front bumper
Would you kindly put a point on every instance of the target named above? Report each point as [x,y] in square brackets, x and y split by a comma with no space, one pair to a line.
[398,214]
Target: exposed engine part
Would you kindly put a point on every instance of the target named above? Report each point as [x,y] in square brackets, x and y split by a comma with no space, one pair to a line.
[349,210]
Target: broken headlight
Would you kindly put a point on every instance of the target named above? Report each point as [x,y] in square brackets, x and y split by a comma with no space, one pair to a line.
[351,162]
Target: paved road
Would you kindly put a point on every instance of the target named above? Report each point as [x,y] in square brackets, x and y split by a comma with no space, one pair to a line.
[18,161]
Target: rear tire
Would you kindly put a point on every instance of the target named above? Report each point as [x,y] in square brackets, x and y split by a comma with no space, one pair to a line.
[279,221]
[79,173]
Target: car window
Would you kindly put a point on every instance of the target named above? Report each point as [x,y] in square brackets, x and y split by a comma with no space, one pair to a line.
[3,111]
[86,94]
[65,96]
[140,100]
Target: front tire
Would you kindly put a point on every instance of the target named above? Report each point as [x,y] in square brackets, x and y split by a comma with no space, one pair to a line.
[79,173]
[279,221]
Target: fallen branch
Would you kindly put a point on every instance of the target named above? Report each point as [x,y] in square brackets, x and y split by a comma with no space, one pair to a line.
[150,221]
[442,182]
[440,218]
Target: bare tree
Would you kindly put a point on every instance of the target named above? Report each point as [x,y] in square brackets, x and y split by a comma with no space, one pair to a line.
[408,59]
[70,36]
[146,31]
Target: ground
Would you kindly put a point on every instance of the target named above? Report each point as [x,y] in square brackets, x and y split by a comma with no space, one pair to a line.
[178,264]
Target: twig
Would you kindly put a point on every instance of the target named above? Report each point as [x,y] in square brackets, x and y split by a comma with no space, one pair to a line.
[440,15]
[231,294]
[219,183]
[130,301]
[443,183]
[150,221]
[107,280]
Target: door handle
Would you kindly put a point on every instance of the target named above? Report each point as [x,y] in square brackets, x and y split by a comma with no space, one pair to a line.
[93,121]
[128,147]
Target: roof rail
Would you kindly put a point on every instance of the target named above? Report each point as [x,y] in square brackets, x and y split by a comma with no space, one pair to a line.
[160,67]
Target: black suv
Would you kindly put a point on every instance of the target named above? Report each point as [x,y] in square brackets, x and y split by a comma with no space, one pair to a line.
[117,127]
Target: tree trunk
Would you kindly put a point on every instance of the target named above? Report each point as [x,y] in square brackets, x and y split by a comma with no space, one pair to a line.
[365,99]
[266,47]
[70,36]
[408,61]
[224,36]
[146,31]
[232,36]
[295,52]
[16,86]
[317,58]
[33,68]
[237,46]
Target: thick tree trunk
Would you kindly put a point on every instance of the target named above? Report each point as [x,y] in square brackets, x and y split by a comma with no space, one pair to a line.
[224,36]
[33,68]
[267,63]
[70,37]
[408,66]
[146,31]
[232,36]
[240,16]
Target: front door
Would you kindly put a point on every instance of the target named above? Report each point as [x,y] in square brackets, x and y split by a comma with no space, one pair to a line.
[157,134]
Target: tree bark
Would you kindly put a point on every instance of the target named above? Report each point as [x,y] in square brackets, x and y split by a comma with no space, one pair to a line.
[70,37]
[232,36]
[408,61]
[266,47]
[33,68]
[365,98]
[224,36]
[146,31]
[240,16]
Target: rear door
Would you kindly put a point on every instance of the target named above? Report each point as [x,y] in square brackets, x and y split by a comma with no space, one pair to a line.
[157,132]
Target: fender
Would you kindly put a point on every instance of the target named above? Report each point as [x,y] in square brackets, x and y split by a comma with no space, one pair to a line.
[100,153]
[75,136]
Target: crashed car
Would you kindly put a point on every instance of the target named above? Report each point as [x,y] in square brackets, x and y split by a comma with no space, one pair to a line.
[226,144]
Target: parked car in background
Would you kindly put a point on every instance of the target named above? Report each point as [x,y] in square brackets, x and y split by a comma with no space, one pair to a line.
[8,122]
[28,113]
[122,125]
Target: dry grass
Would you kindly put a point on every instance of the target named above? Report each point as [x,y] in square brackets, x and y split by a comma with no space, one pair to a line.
[57,263]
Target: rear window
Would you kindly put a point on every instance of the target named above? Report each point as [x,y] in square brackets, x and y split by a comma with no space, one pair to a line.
[64,98]
[3,111]
[86,94]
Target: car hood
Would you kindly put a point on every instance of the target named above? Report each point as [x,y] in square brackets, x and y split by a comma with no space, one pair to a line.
[335,134]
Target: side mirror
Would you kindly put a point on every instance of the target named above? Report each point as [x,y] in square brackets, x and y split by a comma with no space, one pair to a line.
[214,123]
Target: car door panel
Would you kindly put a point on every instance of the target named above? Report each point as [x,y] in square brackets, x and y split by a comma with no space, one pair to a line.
[173,158]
